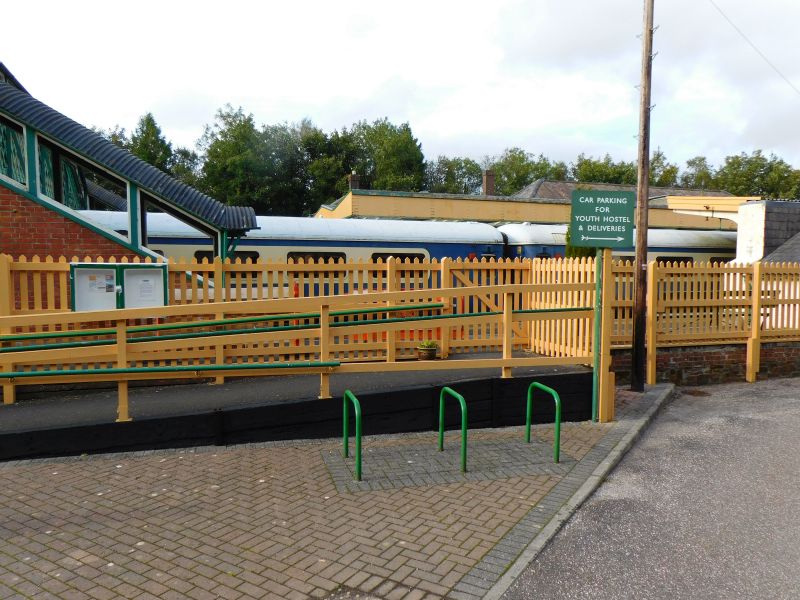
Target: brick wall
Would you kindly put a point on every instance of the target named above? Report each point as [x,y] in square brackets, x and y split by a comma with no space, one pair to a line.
[28,229]
[702,365]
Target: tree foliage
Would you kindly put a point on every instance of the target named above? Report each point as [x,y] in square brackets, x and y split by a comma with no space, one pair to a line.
[515,168]
[756,174]
[292,169]
[698,174]
[455,175]
[605,170]
[391,157]
[662,172]
[150,145]
[571,251]
[234,166]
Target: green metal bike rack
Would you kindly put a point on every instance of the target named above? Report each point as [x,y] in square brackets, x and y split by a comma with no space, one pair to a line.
[557,436]
[446,391]
[348,395]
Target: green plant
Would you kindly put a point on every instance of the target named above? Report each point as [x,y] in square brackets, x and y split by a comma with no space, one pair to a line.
[428,344]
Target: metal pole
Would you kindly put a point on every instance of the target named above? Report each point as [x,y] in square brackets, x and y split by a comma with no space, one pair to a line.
[642,196]
[598,317]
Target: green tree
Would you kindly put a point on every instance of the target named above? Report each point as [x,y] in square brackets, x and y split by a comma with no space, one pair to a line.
[287,181]
[329,159]
[455,175]
[698,174]
[235,169]
[390,157]
[758,175]
[662,172]
[117,135]
[571,251]
[150,145]
[515,168]
[590,170]
[186,166]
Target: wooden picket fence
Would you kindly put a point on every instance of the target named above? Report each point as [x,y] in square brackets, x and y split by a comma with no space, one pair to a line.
[467,306]
[38,286]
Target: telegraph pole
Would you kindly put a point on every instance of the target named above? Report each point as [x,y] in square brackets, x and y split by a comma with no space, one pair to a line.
[642,197]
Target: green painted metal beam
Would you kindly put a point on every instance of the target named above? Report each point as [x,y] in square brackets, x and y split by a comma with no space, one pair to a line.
[167,326]
[174,369]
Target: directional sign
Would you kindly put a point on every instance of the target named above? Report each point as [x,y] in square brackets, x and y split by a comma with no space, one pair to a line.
[602,219]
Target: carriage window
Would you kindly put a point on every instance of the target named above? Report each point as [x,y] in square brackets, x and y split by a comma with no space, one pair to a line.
[721,259]
[307,257]
[207,254]
[675,259]
[401,256]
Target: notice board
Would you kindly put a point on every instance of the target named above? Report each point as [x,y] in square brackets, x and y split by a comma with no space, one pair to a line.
[110,286]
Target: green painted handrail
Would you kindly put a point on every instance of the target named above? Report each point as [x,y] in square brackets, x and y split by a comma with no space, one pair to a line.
[298,327]
[264,318]
[173,369]
[232,321]
[201,334]
[446,391]
[348,395]
[528,411]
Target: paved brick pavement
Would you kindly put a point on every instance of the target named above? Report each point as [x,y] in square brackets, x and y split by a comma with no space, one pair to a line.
[285,520]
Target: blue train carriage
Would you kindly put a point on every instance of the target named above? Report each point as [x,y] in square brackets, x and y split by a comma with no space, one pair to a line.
[534,240]
[281,239]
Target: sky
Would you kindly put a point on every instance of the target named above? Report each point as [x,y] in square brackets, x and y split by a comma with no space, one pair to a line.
[556,77]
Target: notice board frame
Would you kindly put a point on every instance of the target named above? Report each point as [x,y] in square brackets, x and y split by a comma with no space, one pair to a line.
[119,270]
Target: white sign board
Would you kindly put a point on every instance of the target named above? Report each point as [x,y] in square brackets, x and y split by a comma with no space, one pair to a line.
[95,289]
[143,288]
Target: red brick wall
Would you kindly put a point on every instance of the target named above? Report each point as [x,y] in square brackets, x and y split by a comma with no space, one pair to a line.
[28,229]
[702,365]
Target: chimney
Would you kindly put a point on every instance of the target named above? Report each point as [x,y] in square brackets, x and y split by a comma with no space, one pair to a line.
[488,183]
[352,181]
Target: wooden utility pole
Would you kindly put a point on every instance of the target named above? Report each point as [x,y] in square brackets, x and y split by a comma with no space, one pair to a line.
[642,197]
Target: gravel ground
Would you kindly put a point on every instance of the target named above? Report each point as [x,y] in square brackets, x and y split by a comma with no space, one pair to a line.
[706,505]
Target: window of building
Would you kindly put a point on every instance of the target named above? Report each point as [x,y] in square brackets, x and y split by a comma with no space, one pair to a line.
[12,151]
[77,184]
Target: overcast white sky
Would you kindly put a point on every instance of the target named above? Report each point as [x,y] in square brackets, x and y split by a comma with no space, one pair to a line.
[472,78]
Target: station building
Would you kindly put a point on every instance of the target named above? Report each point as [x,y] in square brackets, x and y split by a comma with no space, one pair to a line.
[52,167]
[543,201]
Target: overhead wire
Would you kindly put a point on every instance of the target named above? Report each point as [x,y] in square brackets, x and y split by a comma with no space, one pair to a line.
[754,47]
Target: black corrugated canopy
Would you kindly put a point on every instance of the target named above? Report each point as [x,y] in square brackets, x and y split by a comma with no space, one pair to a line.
[74,136]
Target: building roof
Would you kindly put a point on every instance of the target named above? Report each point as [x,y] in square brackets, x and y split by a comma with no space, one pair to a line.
[562,190]
[8,77]
[106,197]
[23,107]
[789,251]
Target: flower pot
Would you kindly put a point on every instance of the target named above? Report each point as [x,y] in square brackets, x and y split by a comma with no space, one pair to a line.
[426,353]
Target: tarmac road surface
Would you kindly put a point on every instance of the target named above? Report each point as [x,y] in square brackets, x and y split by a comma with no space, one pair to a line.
[705,505]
